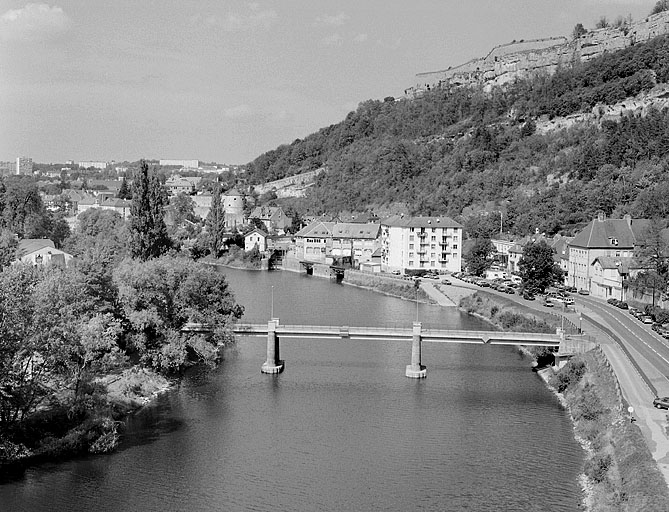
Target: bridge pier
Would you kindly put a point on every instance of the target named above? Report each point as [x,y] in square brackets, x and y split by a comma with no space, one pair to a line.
[415,370]
[273,364]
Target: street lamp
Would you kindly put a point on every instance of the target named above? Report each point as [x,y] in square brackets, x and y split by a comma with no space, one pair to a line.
[272,307]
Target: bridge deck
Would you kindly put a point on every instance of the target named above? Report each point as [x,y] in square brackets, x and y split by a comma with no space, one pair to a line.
[401,334]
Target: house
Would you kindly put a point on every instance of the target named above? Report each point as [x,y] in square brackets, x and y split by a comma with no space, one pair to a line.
[417,243]
[256,238]
[355,242]
[176,185]
[41,251]
[615,238]
[233,203]
[87,202]
[608,277]
[202,205]
[314,241]
[120,206]
[273,217]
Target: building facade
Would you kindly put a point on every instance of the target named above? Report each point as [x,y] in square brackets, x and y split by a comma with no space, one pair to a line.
[614,238]
[421,243]
[24,165]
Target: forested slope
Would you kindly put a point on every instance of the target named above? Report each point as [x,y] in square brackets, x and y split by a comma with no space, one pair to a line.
[462,150]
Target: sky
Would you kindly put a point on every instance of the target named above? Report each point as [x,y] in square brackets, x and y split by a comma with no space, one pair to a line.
[226,80]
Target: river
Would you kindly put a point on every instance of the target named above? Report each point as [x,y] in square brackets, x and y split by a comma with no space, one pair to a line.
[341,429]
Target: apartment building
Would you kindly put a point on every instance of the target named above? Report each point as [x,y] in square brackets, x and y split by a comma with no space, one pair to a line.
[421,243]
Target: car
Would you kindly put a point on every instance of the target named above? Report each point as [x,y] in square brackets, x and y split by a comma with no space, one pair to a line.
[646,319]
[548,304]
[510,290]
[661,403]
[570,289]
[396,272]
[445,281]
[583,291]
[612,301]
[622,305]
[528,296]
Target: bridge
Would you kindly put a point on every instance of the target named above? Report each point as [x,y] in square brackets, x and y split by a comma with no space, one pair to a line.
[274,331]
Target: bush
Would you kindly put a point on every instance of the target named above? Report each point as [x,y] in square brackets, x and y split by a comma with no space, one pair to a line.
[570,374]
[597,467]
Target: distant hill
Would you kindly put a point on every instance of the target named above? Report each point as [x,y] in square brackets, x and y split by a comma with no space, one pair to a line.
[473,152]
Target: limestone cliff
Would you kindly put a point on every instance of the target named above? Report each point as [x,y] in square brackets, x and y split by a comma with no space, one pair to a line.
[525,58]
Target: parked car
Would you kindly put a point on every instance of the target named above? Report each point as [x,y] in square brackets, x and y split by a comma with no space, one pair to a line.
[622,305]
[445,281]
[583,291]
[570,289]
[612,301]
[395,272]
[528,296]
[548,304]
[646,319]
[661,403]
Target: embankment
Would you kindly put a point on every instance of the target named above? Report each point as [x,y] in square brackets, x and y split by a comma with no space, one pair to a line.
[90,426]
[387,285]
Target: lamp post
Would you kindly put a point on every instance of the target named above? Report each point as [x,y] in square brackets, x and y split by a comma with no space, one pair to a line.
[272,306]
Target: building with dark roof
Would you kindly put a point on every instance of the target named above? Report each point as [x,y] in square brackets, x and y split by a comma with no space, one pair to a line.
[614,238]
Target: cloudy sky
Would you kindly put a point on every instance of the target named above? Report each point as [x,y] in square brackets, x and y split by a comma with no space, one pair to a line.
[226,80]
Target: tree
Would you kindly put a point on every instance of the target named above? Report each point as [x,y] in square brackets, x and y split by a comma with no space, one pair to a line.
[651,257]
[602,22]
[8,246]
[184,208]
[159,296]
[579,30]
[479,259]
[148,232]
[537,268]
[124,192]
[216,222]
[660,6]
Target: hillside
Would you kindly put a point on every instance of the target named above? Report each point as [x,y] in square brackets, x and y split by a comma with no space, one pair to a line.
[469,152]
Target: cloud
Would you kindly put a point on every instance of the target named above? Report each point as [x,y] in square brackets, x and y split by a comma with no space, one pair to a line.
[332,21]
[34,22]
[253,17]
[332,40]
[360,38]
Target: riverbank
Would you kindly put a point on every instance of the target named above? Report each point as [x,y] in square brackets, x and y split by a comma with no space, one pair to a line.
[90,427]
[620,472]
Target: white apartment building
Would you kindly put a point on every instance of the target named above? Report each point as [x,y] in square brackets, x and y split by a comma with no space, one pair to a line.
[421,243]
[24,165]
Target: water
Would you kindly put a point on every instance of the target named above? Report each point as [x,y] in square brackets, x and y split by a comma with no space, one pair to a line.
[341,429]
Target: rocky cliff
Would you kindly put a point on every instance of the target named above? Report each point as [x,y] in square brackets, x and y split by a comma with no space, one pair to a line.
[525,58]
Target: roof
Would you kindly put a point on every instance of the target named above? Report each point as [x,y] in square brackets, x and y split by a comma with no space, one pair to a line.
[420,222]
[256,230]
[355,230]
[622,264]
[28,245]
[611,233]
[266,212]
[316,229]
[116,202]
[232,192]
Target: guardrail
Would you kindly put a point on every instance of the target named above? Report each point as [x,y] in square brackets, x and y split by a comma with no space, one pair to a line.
[622,346]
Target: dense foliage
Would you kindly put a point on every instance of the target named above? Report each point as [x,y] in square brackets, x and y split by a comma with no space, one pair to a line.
[461,151]
[537,268]
[148,232]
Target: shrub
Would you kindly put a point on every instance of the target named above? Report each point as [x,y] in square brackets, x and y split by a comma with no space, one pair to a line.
[597,467]
[570,374]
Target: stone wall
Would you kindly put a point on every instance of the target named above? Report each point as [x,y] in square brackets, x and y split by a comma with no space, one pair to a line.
[521,59]
[298,181]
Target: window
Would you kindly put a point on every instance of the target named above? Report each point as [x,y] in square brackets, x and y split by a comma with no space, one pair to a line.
[411,263]
[455,246]
[410,255]
[433,239]
[433,246]
[411,237]
[432,263]
[410,246]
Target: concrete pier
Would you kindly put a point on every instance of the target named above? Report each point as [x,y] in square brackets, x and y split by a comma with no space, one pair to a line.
[415,370]
[273,364]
